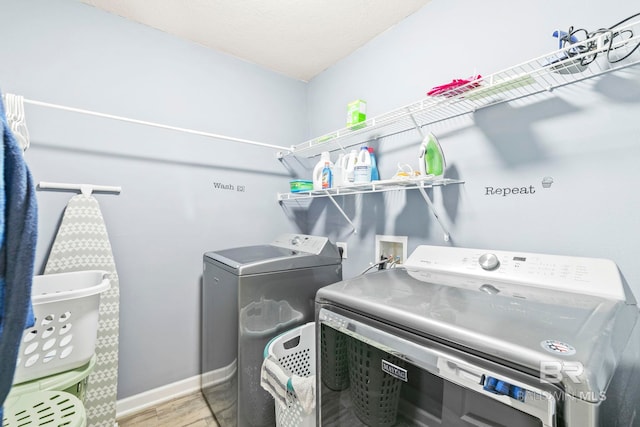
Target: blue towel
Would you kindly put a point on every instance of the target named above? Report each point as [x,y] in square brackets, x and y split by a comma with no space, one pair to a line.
[17,253]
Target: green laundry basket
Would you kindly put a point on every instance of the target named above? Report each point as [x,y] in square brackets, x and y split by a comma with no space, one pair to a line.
[374,393]
[44,408]
[73,381]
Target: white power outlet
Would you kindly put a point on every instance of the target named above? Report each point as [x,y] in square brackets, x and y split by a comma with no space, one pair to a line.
[392,246]
[343,245]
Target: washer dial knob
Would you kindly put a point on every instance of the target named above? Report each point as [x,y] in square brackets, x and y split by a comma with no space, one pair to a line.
[488,262]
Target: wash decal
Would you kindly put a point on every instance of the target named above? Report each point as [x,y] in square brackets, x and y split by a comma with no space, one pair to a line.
[229,187]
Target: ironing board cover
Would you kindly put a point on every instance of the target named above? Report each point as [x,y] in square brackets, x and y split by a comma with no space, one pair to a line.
[82,243]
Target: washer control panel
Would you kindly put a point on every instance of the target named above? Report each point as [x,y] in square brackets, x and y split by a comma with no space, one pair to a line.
[592,276]
[301,242]
[489,261]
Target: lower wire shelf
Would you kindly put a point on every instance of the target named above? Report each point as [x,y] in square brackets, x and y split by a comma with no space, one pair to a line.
[419,183]
[371,187]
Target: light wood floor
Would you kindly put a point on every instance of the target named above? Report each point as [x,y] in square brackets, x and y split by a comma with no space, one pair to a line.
[191,410]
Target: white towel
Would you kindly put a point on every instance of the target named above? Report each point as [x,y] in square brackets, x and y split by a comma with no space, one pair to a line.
[305,389]
[274,380]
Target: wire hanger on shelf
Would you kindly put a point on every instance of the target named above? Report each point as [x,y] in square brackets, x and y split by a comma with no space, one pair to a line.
[16,119]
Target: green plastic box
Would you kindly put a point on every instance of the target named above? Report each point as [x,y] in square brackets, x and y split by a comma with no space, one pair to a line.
[298,185]
[356,113]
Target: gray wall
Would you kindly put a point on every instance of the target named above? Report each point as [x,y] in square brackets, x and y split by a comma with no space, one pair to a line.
[584,136]
[169,212]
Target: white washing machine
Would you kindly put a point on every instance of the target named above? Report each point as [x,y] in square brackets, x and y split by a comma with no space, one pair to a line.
[467,337]
[249,295]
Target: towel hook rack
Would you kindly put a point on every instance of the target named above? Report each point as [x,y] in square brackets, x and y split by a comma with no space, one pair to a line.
[85,189]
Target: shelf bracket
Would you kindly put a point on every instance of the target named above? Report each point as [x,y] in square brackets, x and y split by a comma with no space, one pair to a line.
[433,210]
[418,128]
[355,231]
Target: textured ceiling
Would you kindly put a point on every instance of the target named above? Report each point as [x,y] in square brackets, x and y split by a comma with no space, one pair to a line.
[298,38]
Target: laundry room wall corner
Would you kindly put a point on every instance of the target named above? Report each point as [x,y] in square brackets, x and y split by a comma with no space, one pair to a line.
[182,194]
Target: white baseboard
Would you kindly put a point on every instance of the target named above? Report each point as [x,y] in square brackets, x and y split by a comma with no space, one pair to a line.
[140,402]
[220,375]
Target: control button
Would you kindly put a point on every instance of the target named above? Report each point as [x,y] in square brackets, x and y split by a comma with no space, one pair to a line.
[503,388]
[295,241]
[490,384]
[490,289]
[517,393]
[488,262]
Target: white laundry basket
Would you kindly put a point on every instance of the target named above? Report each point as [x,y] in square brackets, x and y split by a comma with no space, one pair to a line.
[295,352]
[63,337]
[260,321]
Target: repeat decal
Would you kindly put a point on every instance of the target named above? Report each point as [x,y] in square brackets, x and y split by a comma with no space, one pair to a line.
[522,190]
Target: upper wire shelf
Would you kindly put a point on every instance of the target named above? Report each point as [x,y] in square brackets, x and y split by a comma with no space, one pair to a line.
[603,53]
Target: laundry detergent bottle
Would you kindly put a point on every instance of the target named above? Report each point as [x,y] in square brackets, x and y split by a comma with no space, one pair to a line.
[362,170]
[349,167]
[375,175]
[325,157]
[327,177]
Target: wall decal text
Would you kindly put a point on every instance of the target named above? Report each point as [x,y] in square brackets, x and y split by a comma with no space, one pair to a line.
[509,191]
[230,187]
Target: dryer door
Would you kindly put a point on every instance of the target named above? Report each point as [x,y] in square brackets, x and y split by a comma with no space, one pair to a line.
[371,373]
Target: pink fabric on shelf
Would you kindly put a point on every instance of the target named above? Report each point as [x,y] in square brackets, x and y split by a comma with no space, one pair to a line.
[455,87]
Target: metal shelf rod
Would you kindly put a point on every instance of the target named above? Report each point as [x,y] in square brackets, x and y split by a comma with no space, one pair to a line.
[157,125]
[447,236]
[355,231]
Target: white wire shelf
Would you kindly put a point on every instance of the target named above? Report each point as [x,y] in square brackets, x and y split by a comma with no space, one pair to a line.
[601,54]
[370,187]
[420,183]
